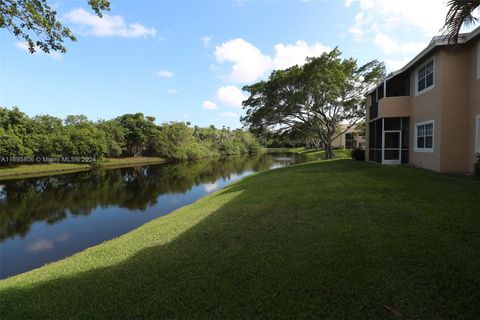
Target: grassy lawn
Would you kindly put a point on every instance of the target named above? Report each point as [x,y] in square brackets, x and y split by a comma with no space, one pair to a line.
[338,153]
[38,170]
[284,150]
[329,239]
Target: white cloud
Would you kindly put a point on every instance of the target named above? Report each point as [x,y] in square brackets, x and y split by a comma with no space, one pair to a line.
[389,46]
[426,15]
[228,114]
[209,105]
[172,91]
[396,64]
[295,54]
[206,40]
[231,96]
[357,29]
[108,26]
[24,46]
[249,63]
[165,74]
[390,26]
[348,3]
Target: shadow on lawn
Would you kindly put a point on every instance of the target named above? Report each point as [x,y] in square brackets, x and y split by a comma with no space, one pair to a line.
[272,259]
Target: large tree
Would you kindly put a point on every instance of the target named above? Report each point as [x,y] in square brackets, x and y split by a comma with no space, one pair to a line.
[460,12]
[315,98]
[139,132]
[36,23]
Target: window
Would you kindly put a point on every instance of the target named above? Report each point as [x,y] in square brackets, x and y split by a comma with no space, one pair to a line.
[425,76]
[477,135]
[424,136]
[350,143]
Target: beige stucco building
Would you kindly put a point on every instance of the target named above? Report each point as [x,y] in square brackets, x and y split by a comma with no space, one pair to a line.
[349,139]
[427,114]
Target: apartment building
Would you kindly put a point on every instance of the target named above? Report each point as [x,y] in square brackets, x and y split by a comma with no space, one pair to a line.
[427,114]
[350,139]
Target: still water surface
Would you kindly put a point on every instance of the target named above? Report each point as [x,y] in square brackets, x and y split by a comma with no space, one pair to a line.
[49,218]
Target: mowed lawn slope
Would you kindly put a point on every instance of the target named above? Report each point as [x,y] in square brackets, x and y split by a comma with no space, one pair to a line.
[328,239]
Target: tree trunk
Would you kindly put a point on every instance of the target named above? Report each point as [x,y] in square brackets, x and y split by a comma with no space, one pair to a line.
[137,151]
[329,150]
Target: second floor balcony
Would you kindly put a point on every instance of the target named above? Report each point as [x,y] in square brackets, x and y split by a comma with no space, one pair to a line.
[390,99]
[390,107]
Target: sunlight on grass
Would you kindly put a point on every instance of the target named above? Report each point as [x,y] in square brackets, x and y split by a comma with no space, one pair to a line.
[326,239]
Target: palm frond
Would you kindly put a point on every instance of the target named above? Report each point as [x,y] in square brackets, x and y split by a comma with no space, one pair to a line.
[460,12]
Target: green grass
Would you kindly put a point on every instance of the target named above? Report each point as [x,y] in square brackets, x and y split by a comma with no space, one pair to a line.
[38,170]
[338,153]
[284,150]
[328,240]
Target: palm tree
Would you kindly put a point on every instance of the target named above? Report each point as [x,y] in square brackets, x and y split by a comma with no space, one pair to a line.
[459,12]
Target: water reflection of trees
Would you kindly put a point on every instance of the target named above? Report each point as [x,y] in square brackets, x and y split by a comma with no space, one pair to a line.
[50,199]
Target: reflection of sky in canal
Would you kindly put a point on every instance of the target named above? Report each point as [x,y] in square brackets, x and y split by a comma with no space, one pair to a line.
[69,232]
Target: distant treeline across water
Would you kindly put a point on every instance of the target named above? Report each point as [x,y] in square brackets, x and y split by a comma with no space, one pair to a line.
[77,137]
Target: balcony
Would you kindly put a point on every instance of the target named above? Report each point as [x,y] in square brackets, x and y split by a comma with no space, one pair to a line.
[391,98]
[392,107]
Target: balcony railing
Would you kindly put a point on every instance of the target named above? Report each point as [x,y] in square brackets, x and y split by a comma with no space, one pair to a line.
[392,107]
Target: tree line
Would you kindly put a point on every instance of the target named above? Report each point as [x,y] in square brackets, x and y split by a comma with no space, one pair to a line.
[129,135]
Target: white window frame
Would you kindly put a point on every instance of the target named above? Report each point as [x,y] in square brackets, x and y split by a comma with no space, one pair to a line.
[477,134]
[416,77]
[429,150]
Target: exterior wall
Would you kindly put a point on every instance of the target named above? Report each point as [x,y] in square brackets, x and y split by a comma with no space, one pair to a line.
[427,106]
[340,141]
[453,104]
[456,76]
[474,102]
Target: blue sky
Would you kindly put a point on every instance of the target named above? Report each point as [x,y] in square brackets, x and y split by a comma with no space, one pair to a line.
[187,60]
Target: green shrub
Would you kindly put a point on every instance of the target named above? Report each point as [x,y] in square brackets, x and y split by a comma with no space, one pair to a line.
[358,154]
[254,148]
[477,166]
[230,147]
[197,151]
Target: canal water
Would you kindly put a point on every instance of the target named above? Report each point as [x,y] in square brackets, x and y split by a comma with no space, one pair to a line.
[49,218]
